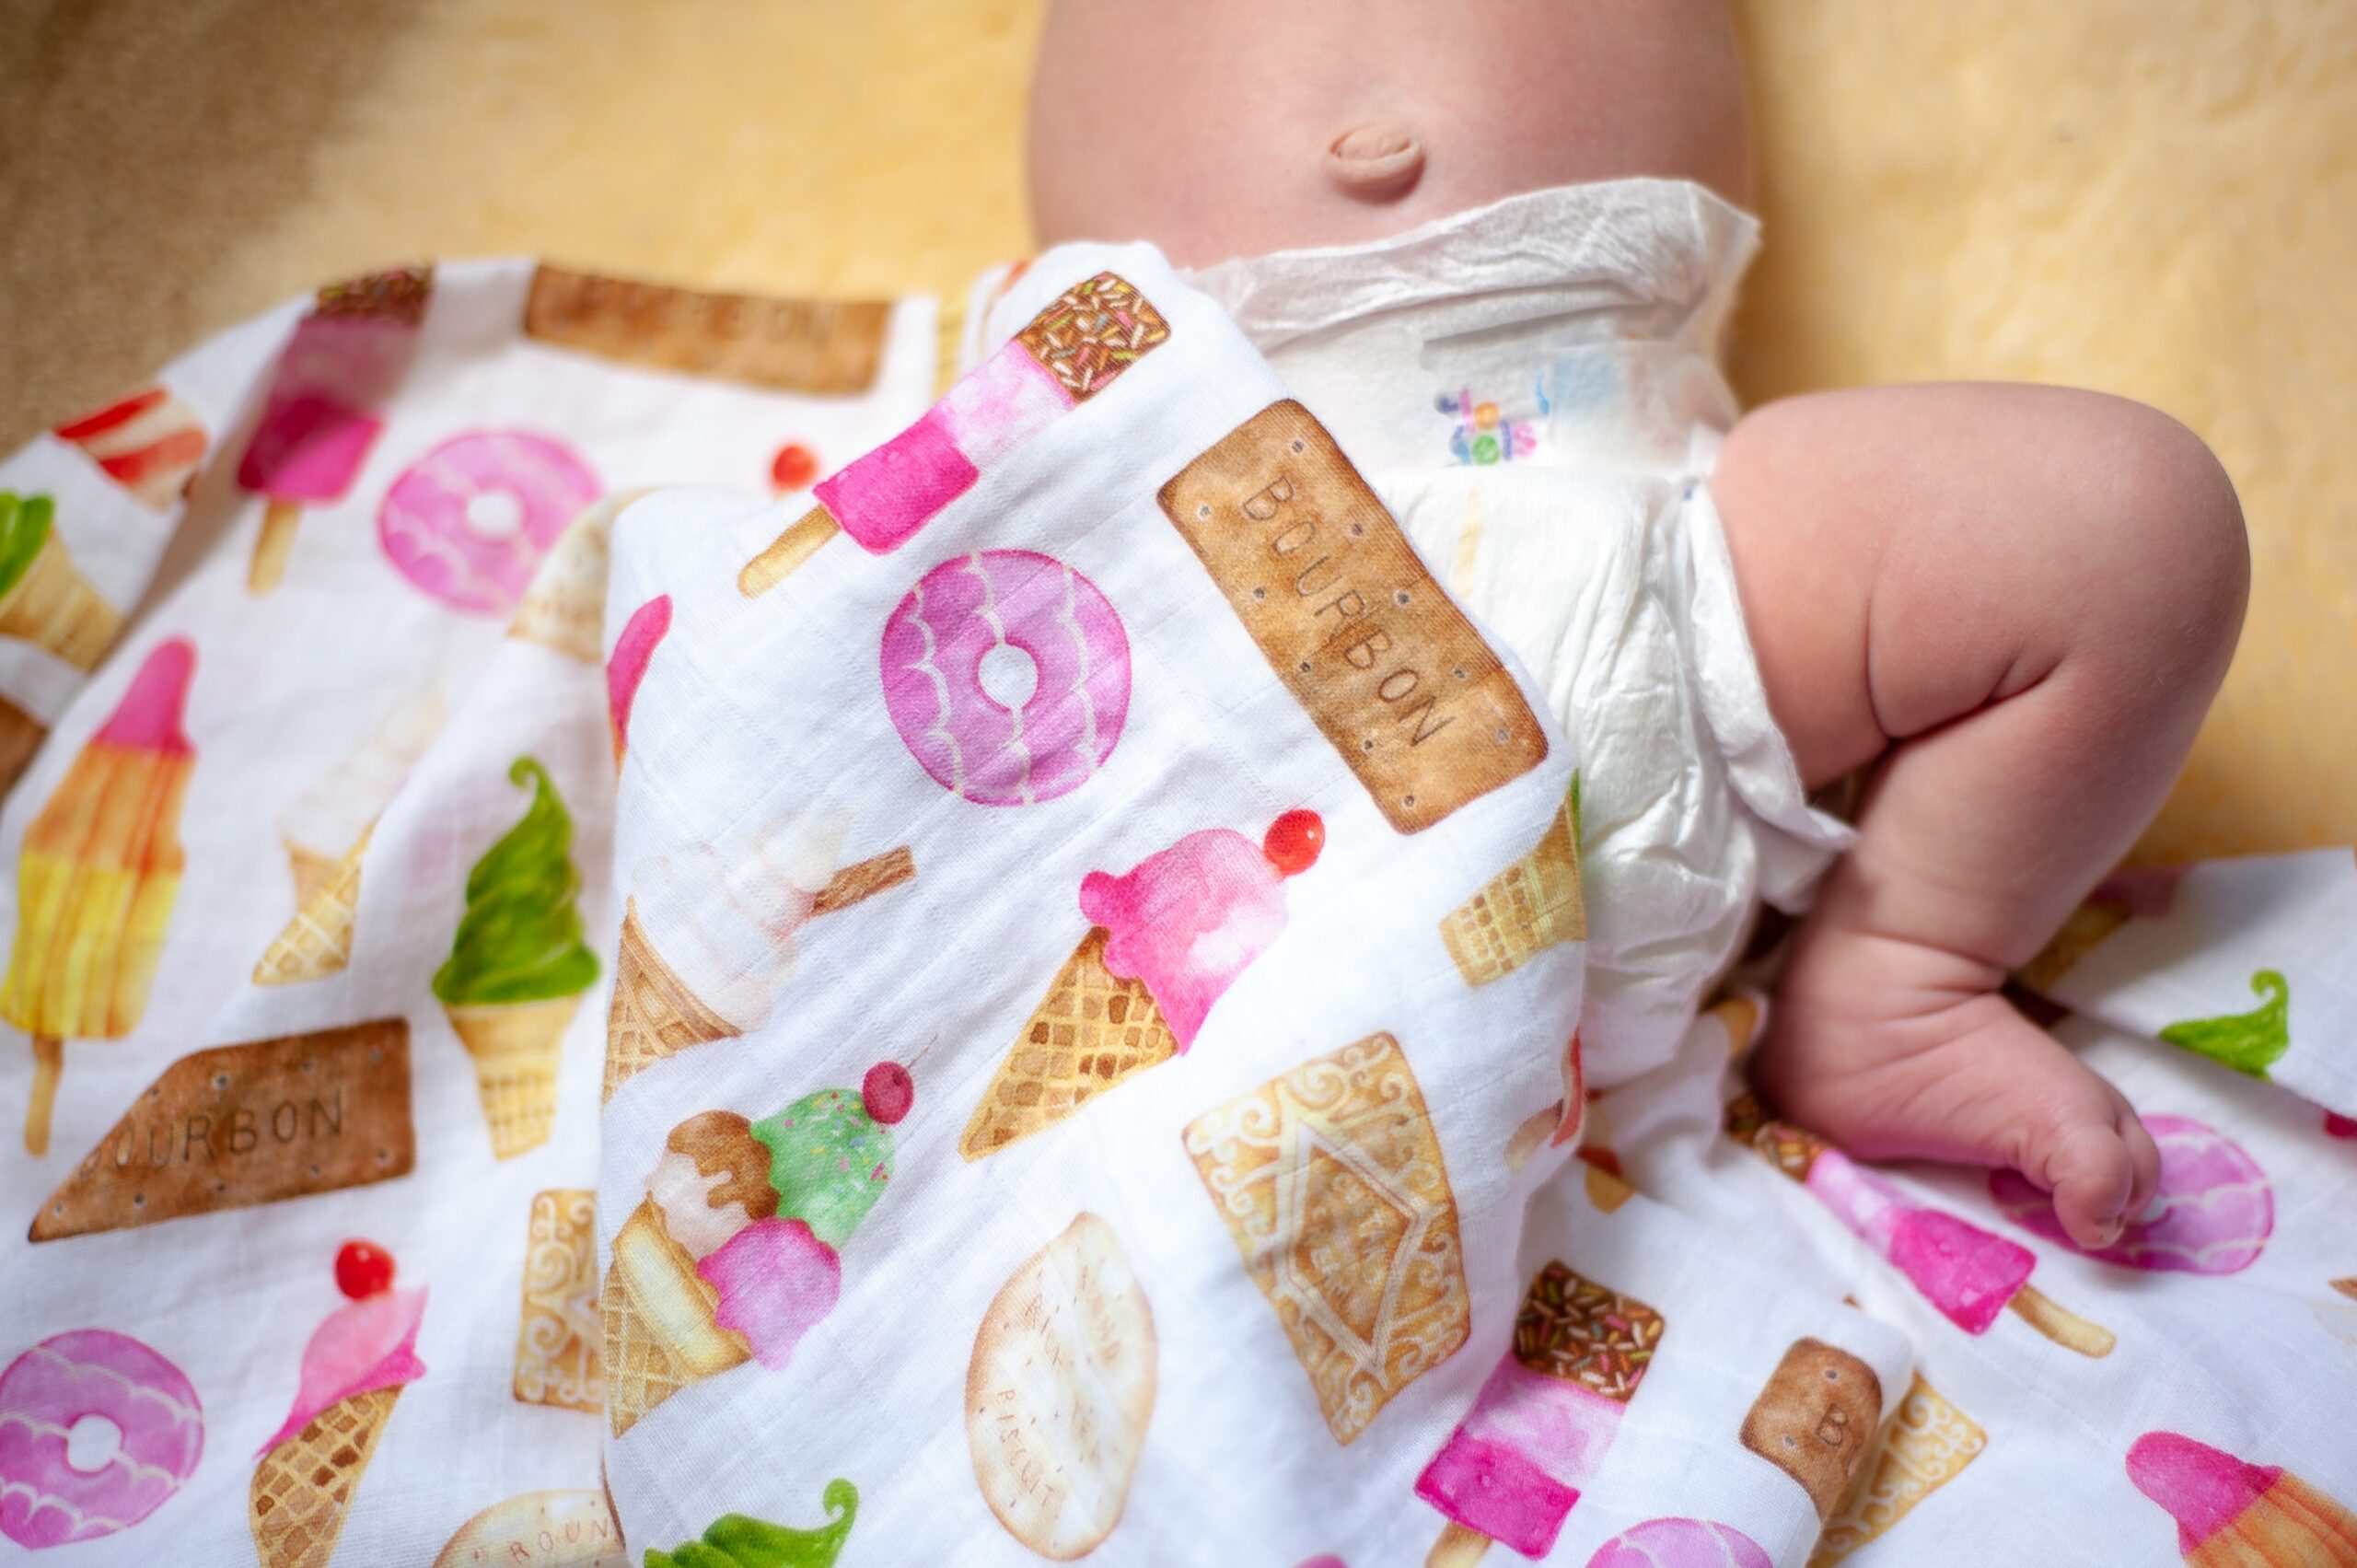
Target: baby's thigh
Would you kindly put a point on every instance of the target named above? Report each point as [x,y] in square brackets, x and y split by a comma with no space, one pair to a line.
[1906,555]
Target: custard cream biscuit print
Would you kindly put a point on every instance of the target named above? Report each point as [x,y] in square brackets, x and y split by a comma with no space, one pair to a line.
[1397,679]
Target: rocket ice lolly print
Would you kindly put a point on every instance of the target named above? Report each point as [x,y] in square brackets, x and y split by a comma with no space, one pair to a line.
[1070,351]
[1514,1465]
[1169,936]
[98,878]
[2230,1514]
[517,966]
[734,1254]
[44,598]
[324,410]
[353,1370]
[708,934]
[146,441]
[1968,1274]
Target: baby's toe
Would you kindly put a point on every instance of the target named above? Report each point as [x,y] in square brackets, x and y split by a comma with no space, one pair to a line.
[2093,1173]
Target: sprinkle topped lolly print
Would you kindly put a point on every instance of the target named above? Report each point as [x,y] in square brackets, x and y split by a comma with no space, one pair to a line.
[325,407]
[98,876]
[1073,351]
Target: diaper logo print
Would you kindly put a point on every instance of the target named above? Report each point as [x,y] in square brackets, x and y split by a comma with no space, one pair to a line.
[1396,679]
[1482,435]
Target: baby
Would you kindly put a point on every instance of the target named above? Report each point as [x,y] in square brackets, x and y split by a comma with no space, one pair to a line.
[2014,602]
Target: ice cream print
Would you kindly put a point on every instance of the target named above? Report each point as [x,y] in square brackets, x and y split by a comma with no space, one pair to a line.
[353,1370]
[1007,675]
[626,665]
[239,1125]
[1397,679]
[739,1540]
[325,406]
[2233,1514]
[1060,1390]
[316,942]
[1514,1465]
[98,876]
[557,1344]
[708,934]
[1528,907]
[1927,1443]
[96,1432]
[735,1253]
[2248,1042]
[563,607]
[517,966]
[44,598]
[1968,1274]
[146,441]
[1330,1180]
[1070,353]
[2210,1214]
[468,522]
[333,812]
[1816,1418]
[1170,935]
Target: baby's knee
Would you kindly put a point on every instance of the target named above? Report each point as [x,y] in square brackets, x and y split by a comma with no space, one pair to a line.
[2177,569]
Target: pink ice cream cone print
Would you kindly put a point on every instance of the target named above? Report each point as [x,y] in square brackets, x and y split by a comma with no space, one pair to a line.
[1960,1269]
[626,665]
[324,410]
[2212,1212]
[353,1370]
[1514,1466]
[1169,936]
[2230,1514]
[1072,350]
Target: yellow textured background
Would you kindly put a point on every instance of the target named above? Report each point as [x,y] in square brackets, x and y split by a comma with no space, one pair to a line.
[2155,197]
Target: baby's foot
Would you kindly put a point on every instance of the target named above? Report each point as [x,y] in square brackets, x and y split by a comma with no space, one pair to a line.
[1895,1051]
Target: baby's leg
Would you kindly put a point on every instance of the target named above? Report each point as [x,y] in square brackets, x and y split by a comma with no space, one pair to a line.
[2026,598]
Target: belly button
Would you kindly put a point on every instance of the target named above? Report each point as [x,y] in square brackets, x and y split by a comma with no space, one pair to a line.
[1377,162]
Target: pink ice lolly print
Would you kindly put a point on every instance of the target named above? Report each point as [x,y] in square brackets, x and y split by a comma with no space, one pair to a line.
[2210,1214]
[1073,350]
[1968,1274]
[626,665]
[323,413]
[1514,1466]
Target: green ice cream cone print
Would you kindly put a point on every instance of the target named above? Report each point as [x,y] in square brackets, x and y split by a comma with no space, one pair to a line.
[517,966]
[737,1540]
[2248,1042]
[830,1157]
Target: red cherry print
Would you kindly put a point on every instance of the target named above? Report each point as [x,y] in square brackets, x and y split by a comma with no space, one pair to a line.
[1294,841]
[886,1092]
[793,468]
[2340,1126]
[362,1269]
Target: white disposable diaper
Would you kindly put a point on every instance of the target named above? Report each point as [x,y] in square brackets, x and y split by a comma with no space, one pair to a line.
[1533,388]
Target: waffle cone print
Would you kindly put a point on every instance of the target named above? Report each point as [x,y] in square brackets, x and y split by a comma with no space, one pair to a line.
[1093,1032]
[1928,1445]
[318,942]
[1331,1183]
[1528,907]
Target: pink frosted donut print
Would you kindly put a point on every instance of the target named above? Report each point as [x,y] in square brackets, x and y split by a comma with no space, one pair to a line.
[1680,1543]
[57,1487]
[469,521]
[2210,1214]
[1007,673]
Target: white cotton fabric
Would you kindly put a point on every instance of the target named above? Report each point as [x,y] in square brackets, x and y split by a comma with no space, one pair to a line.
[1588,316]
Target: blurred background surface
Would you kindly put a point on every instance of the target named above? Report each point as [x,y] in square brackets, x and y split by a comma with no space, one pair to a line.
[2154,197]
